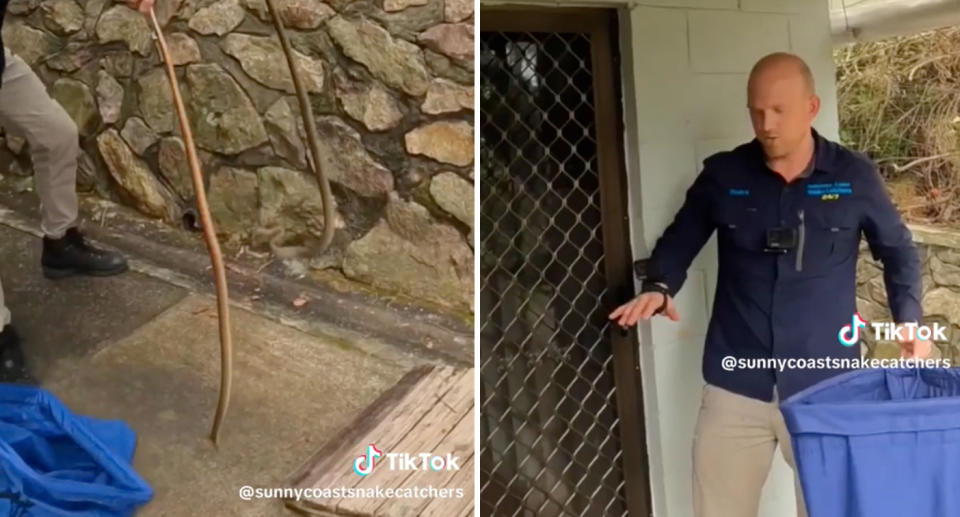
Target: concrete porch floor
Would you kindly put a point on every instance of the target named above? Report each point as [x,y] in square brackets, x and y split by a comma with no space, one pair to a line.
[143,350]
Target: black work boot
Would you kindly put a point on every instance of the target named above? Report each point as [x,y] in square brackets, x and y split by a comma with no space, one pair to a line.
[71,255]
[13,365]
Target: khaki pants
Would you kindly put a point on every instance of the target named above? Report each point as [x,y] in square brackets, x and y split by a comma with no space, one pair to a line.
[27,111]
[733,448]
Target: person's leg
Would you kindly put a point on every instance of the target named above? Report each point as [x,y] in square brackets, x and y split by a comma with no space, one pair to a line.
[733,448]
[786,448]
[13,365]
[28,111]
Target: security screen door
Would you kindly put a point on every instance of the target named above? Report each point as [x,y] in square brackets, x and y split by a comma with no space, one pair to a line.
[561,425]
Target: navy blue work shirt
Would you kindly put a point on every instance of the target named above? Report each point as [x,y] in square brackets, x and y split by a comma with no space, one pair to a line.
[793,304]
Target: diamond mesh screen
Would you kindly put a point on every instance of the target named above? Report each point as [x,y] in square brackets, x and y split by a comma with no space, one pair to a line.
[549,430]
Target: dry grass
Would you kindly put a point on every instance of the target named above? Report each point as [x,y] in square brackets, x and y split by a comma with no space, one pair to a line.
[899,102]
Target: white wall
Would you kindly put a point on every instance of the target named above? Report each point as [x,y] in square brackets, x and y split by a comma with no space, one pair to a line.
[685,70]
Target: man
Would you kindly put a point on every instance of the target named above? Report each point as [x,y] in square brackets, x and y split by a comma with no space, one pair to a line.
[27,111]
[789,208]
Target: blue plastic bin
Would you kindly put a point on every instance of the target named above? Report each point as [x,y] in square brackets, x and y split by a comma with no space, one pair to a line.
[57,464]
[879,443]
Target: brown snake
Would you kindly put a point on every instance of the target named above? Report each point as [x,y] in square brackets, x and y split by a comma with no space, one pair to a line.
[223,306]
[310,125]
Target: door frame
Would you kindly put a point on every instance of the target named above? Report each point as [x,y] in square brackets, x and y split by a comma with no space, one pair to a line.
[601,25]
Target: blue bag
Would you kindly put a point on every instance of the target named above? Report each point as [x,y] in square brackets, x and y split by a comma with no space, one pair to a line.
[879,443]
[56,464]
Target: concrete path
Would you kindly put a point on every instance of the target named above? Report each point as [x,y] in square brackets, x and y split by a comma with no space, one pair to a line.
[137,348]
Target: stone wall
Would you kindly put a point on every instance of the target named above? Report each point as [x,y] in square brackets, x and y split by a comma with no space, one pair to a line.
[390,83]
[940,252]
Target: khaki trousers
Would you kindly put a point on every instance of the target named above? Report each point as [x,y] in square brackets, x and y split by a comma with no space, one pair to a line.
[27,111]
[733,448]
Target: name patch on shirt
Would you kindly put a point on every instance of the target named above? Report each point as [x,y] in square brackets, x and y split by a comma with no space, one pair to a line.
[829,191]
[739,192]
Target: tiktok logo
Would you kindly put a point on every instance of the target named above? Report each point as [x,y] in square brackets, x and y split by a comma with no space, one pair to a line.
[361,468]
[852,330]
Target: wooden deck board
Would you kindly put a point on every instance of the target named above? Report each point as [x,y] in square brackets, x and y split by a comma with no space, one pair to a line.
[323,461]
[421,413]
[430,435]
[461,440]
[397,406]
[429,411]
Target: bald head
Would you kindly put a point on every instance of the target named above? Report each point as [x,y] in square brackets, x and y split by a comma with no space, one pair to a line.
[782,66]
[782,103]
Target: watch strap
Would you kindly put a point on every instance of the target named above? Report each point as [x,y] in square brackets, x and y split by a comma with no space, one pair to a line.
[658,287]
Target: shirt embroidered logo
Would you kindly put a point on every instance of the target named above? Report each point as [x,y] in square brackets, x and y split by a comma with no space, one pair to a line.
[829,191]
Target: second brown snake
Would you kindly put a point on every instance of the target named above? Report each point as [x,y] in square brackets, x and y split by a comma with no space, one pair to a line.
[213,246]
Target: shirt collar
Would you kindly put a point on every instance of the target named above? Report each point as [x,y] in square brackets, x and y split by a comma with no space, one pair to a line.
[822,160]
[824,153]
[812,166]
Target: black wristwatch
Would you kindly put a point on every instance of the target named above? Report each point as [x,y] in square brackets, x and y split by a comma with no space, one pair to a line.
[658,287]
